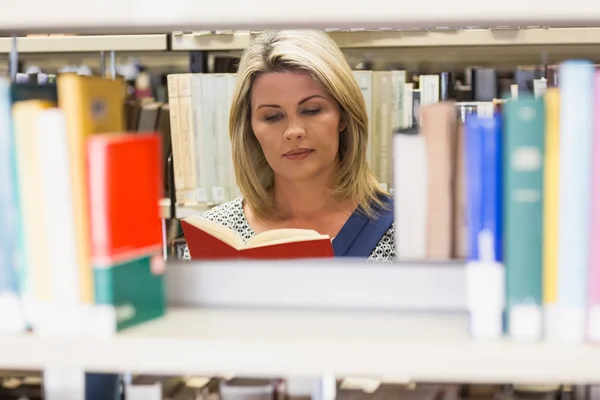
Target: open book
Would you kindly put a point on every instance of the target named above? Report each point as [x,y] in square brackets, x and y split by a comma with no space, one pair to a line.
[210,240]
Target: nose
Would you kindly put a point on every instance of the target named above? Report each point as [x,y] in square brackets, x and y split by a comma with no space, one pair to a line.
[294,131]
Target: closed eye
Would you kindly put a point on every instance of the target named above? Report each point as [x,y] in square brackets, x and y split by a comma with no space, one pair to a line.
[273,117]
[312,111]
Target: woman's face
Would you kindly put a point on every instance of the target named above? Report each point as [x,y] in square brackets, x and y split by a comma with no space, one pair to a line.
[297,124]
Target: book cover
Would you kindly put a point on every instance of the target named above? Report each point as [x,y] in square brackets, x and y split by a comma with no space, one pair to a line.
[125,182]
[576,131]
[210,240]
[91,105]
[523,182]
[551,188]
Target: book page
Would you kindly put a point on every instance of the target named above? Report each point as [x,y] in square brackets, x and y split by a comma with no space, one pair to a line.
[217,230]
[277,236]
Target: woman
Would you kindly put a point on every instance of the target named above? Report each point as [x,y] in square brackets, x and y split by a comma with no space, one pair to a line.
[298,128]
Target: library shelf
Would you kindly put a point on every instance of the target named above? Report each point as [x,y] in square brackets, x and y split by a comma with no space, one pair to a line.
[392,347]
[85,43]
[149,16]
[239,40]
[181,210]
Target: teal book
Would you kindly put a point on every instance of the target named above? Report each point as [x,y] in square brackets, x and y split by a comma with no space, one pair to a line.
[131,287]
[524,122]
[33,91]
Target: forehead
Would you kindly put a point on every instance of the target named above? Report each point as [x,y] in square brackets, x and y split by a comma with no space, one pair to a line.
[281,87]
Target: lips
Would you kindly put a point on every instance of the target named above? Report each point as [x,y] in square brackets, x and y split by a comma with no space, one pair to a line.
[298,154]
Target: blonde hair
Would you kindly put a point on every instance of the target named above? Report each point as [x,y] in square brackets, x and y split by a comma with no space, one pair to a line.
[313,52]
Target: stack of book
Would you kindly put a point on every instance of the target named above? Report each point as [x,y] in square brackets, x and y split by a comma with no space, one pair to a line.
[520,180]
[79,195]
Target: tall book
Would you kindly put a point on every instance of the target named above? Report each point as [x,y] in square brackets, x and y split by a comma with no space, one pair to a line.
[25,114]
[125,180]
[593,323]
[91,105]
[438,124]
[523,214]
[576,124]
[551,190]
[12,318]
[410,194]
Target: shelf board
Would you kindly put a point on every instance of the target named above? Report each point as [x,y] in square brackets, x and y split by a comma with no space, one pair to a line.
[403,39]
[88,43]
[135,16]
[398,347]
[182,211]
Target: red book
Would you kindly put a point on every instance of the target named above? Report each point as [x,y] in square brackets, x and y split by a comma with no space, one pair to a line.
[210,240]
[125,183]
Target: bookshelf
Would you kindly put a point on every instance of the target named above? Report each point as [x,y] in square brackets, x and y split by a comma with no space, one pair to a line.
[391,344]
[149,17]
[239,40]
[181,211]
[86,43]
[387,346]
[349,40]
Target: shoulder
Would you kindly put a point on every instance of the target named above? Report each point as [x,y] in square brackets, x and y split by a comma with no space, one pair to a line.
[226,213]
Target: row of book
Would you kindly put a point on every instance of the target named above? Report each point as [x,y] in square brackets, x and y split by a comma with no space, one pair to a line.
[203,165]
[531,206]
[28,386]
[396,101]
[79,209]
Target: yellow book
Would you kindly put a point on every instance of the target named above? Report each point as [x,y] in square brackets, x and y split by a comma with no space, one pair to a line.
[91,105]
[551,185]
[30,187]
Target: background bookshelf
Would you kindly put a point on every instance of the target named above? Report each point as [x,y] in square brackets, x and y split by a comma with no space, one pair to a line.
[392,333]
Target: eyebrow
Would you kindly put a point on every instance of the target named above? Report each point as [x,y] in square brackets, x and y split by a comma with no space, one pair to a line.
[299,103]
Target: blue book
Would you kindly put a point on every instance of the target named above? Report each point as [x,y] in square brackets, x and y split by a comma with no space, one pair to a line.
[483,141]
[576,129]
[11,255]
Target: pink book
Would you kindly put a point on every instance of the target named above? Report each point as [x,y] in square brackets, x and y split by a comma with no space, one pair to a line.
[594,267]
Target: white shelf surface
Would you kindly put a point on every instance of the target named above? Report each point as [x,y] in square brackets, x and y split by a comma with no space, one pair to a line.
[386,39]
[391,347]
[88,43]
[181,211]
[65,16]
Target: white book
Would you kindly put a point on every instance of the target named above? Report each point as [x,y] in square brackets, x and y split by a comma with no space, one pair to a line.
[199,149]
[410,196]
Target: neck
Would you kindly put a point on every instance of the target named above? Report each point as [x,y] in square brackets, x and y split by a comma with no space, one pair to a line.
[304,199]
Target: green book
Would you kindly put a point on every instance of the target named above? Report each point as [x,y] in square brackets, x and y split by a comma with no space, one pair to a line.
[137,294]
[524,122]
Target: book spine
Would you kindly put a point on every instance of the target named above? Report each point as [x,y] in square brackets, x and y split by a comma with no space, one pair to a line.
[410,196]
[58,223]
[594,274]
[201,194]
[576,87]
[484,271]
[523,172]
[13,265]
[551,186]
[176,141]
[187,125]
[473,145]
[490,238]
